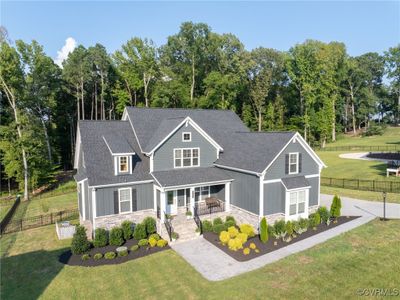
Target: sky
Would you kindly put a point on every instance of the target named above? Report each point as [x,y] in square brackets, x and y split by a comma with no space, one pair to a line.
[60,26]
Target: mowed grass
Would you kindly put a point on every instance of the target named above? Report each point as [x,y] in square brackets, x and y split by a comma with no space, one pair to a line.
[366,257]
[363,195]
[390,137]
[4,210]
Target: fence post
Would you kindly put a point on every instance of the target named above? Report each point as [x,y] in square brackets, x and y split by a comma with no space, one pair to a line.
[20,225]
[51,218]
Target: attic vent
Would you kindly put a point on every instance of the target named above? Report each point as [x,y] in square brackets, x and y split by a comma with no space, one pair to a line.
[294,141]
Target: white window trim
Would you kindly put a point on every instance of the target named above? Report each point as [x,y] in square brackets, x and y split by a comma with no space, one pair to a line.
[130,200]
[287,205]
[191,159]
[297,163]
[183,137]
[119,164]
[200,191]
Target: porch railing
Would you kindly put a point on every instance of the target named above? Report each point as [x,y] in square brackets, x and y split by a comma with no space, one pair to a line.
[168,225]
[197,220]
[203,208]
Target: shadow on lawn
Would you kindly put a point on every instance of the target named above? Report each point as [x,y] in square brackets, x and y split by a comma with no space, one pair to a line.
[381,168]
[27,275]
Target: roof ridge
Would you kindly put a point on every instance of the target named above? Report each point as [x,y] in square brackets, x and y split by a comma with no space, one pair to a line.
[288,131]
[178,108]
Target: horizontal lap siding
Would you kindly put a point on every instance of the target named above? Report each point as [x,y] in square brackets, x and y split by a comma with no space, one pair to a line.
[245,191]
[274,198]
[105,198]
[164,156]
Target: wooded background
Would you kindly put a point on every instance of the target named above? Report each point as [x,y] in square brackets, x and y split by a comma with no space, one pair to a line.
[315,88]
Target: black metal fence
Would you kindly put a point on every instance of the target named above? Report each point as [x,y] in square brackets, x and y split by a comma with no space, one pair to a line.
[203,208]
[197,220]
[383,148]
[38,221]
[5,221]
[362,185]
[168,225]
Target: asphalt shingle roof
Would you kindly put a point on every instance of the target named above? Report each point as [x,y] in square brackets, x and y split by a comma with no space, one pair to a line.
[98,159]
[190,176]
[118,143]
[295,182]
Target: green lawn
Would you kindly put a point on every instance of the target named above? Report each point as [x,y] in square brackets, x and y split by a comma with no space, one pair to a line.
[364,195]
[3,210]
[367,257]
[390,137]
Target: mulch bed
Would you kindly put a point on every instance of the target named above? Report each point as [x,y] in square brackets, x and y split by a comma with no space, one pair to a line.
[76,260]
[268,247]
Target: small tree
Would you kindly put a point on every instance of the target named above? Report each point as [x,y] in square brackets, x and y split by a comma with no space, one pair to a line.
[127,229]
[336,206]
[263,230]
[80,243]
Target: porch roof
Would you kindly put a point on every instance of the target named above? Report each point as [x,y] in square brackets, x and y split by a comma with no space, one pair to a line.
[179,177]
[297,182]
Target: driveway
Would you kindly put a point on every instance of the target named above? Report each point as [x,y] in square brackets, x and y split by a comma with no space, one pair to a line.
[215,265]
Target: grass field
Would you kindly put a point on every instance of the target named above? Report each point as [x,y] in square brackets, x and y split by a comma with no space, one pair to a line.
[367,257]
[3,210]
[364,195]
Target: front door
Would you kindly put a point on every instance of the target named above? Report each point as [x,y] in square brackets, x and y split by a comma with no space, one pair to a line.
[171,203]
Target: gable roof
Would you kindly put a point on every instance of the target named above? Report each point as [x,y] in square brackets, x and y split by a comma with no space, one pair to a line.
[118,144]
[99,162]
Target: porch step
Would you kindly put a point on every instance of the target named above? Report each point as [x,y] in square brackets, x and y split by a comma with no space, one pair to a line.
[185,228]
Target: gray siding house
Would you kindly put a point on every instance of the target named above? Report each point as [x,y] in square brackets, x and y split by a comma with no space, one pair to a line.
[158,161]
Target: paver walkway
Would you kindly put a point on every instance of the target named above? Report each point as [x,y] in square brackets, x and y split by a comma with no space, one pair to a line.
[216,265]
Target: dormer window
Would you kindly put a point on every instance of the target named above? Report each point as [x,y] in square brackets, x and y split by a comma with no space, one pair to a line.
[123,164]
[186,137]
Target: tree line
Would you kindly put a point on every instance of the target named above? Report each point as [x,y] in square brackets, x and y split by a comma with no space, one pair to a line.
[315,88]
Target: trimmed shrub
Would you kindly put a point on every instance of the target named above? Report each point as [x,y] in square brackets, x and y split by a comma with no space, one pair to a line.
[150,224]
[127,229]
[336,206]
[100,238]
[152,242]
[243,237]
[116,236]
[135,248]
[218,228]
[263,230]
[229,223]
[252,246]
[246,251]
[235,244]
[217,221]
[324,213]
[224,237]
[155,236]
[162,243]
[85,256]
[247,229]
[139,232]
[80,243]
[315,220]
[110,255]
[230,219]
[143,242]
[123,253]
[98,256]
[233,232]
[207,226]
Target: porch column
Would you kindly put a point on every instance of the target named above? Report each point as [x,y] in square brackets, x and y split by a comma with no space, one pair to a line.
[162,205]
[228,196]
[192,201]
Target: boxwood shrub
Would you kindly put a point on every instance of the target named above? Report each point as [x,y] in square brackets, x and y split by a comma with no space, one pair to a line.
[85,256]
[116,236]
[218,228]
[100,237]
[162,243]
[229,223]
[230,219]
[143,242]
[98,256]
[140,232]
[154,236]
[123,253]
[127,229]
[217,221]
[134,248]
[207,226]
[110,255]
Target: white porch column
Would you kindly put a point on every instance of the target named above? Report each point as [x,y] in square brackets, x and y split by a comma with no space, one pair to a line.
[163,205]
[228,196]
[192,201]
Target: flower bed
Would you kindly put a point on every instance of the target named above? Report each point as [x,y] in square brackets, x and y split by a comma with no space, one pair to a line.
[272,244]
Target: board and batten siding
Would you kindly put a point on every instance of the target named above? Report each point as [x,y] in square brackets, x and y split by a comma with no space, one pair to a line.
[87,198]
[105,198]
[313,195]
[164,156]
[218,191]
[80,206]
[274,198]
[277,169]
[245,191]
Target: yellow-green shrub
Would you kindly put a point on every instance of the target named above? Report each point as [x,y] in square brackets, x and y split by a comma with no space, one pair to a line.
[252,246]
[162,243]
[247,229]
[246,251]
[233,232]
[235,244]
[224,237]
[243,237]
[152,242]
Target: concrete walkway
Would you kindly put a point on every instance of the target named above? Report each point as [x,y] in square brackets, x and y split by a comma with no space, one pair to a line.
[215,265]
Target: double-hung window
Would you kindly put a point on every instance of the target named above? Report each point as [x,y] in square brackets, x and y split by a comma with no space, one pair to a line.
[186,157]
[123,164]
[125,200]
[297,203]
[293,163]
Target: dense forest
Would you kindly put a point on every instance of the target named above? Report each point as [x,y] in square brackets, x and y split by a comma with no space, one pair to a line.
[315,88]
